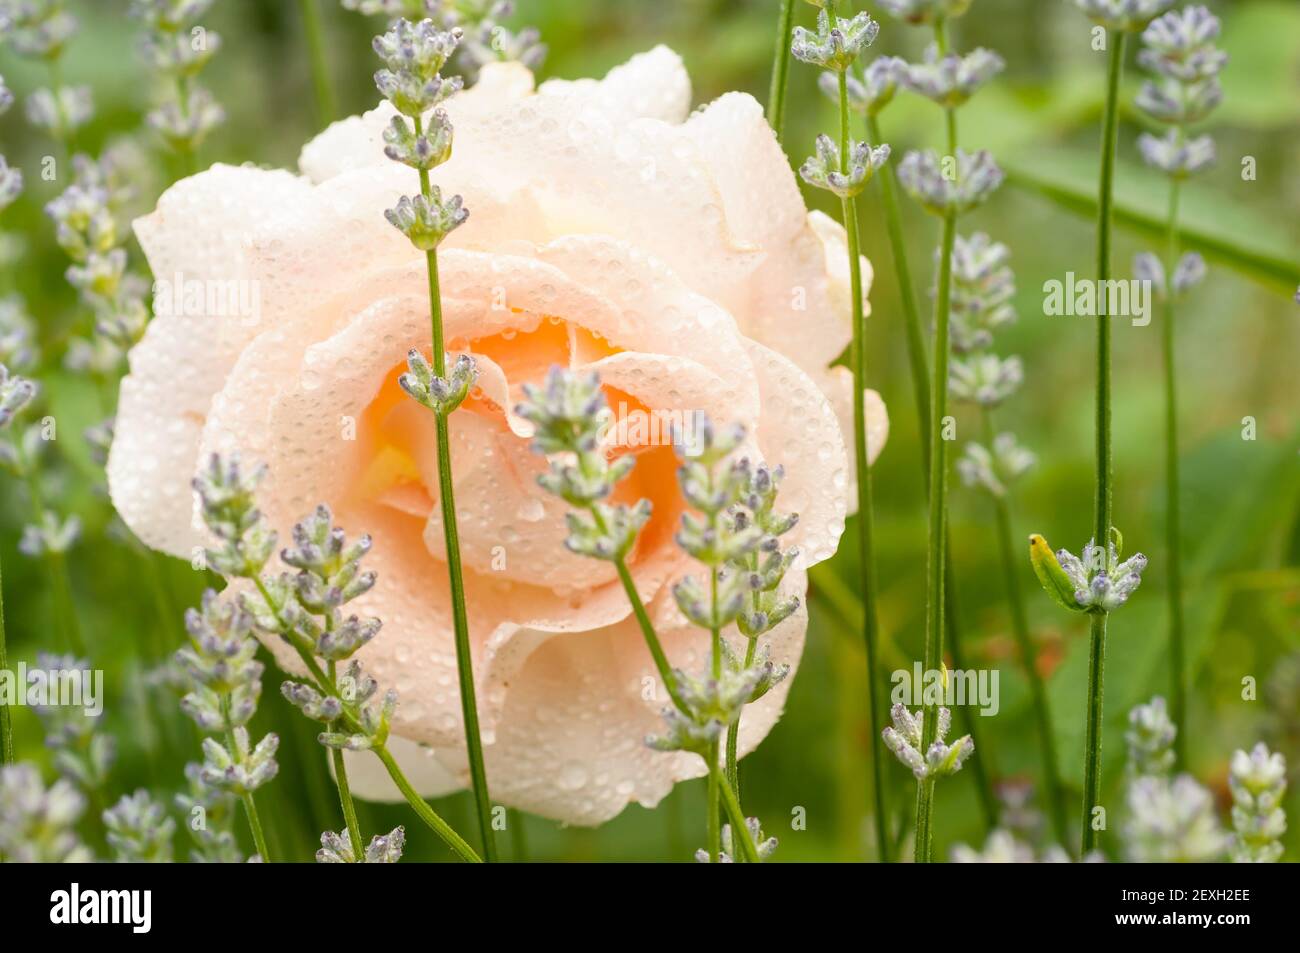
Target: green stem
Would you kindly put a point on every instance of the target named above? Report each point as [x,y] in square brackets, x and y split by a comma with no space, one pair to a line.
[733,730]
[255,825]
[1053,788]
[980,767]
[936,562]
[648,631]
[447,503]
[326,109]
[916,351]
[518,836]
[426,813]
[64,607]
[341,779]
[1110,134]
[713,799]
[862,457]
[1102,523]
[66,134]
[741,843]
[1092,744]
[188,154]
[780,69]
[250,806]
[1173,521]
[6,725]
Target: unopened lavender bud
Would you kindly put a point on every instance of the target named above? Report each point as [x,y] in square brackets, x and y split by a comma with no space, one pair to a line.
[1150,738]
[185,127]
[871,92]
[924,11]
[11,184]
[984,379]
[1189,272]
[1127,15]
[947,184]
[427,221]
[15,394]
[951,80]
[1175,154]
[418,49]
[823,170]
[1179,104]
[1180,45]
[836,43]
[1258,783]
[62,111]
[139,830]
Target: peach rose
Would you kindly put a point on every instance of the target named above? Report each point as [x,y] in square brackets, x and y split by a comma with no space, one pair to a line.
[607,230]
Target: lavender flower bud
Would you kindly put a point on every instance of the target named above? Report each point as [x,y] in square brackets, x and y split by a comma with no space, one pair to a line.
[836,43]
[823,170]
[1127,15]
[953,184]
[951,80]
[1175,154]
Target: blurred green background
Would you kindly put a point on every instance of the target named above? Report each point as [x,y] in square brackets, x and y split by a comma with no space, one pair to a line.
[1239,341]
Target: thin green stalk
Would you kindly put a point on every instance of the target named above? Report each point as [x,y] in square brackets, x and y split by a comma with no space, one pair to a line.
[1173,519]
[447,502]
[936,563]
[64,607]
[1102,524]
[1053,788]
[916,351]
[780,69]
[188,154]
[426,813]
[341,780]
[741,843]
[255,825]
[733,730]
[314,31]
[862,457]
[6,725]
[648,632]
[1092,745]
[715,640]
[713,801]
[67,134]
[980,767]
[518,836]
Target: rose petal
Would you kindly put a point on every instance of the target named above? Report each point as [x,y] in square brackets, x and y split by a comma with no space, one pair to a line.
[196,235]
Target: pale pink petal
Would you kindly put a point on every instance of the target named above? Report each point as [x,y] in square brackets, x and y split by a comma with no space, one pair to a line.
[799,431]
[194,239]
[651,85]
[357,141]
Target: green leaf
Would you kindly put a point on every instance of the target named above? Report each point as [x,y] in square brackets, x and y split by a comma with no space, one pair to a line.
[1050,574]
[1219,229]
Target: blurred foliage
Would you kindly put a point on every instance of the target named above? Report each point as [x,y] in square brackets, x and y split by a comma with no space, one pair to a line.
[1238,345]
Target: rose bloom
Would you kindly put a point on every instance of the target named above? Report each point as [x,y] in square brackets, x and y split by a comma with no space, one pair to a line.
[608,231]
